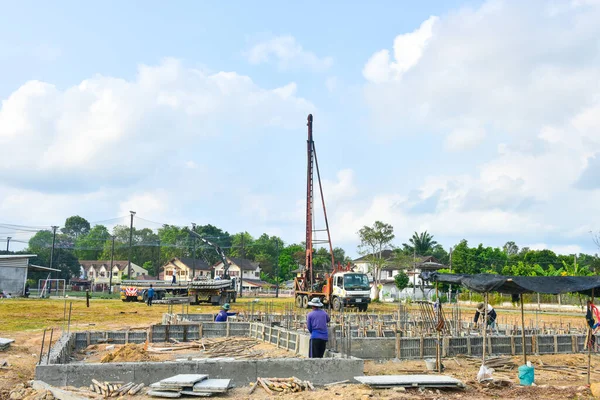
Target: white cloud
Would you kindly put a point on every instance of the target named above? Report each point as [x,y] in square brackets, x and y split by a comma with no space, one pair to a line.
[508,74]
[464,139]
[331,84]
[558,249]
[287,53]
[408,49]
[108,130]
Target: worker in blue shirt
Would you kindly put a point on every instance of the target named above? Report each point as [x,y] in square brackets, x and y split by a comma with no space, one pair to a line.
[150,295]
[316,323]
[222,315]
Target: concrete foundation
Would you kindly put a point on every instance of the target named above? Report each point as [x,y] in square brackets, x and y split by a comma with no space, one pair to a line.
[241,372]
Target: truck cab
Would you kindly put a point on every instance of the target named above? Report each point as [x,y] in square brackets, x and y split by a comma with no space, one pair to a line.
[350,289]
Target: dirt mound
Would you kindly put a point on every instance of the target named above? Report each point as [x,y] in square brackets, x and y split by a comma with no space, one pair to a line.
[129,352]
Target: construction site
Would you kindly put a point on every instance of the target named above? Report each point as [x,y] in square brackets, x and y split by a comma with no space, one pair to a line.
[263,348]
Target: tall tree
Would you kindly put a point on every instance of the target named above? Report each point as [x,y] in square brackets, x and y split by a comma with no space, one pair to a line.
[510,249]
[91,245]
[373,240]
[290,259]
[76,226]
[420,243]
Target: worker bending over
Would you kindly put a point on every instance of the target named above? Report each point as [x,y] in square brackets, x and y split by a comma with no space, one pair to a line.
[222,315]
[491,316]
[316,323]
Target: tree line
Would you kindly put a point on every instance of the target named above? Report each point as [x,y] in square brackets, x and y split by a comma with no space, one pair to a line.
[78,240]
[461,258]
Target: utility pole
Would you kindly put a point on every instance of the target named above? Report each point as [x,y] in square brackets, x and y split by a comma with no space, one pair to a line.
[54,228]
[130,244]
[157,271]
[194,252]
[241,266]
[112,260]
[277,269]
[8,243]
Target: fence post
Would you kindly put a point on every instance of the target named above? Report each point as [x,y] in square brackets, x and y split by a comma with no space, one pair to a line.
[422,347]
[512,345]
[555,344]
[469,345]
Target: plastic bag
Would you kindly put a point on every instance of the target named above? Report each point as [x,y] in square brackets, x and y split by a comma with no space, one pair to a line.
[485,374]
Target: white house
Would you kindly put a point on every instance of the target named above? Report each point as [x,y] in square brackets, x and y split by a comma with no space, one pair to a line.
[184,268]
[248,270]
[388,289]
[98,271]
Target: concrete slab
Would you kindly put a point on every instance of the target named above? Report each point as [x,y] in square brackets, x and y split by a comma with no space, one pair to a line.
[213,386]
[196,394]
[183,380]
[160,393]
[157,386]
[384,381]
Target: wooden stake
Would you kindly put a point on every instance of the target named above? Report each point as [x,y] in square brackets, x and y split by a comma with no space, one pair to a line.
[485,307]
[523,331]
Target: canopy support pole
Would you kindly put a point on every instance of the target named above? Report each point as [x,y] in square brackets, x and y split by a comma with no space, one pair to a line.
[590,345]
[438,347]
[523,330]
[485,311]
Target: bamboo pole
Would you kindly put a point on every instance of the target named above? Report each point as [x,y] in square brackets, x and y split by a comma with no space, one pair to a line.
[590,345]
[485,308]
[523,331]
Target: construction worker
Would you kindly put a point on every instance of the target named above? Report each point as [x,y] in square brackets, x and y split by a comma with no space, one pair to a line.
[222,315]
[316,323]
[150,295]
[491,316]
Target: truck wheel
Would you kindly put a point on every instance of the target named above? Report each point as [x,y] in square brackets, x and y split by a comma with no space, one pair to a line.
[304,301]
[299,301]
[363,308]
[145,296]
[337,304]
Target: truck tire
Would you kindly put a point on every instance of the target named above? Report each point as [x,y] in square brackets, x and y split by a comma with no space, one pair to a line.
[305,301]
[299,300]
[363,307]
[337,304]
[145,296]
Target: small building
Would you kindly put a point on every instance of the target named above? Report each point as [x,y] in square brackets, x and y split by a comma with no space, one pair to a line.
[247,269]
[256,285]
[183,268]
[13,272]
[98,271]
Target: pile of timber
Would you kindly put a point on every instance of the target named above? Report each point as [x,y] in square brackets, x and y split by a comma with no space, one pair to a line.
[282,385]
[497,363]
[115,389]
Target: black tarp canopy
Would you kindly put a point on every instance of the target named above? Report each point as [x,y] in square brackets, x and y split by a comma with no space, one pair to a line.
[483,283]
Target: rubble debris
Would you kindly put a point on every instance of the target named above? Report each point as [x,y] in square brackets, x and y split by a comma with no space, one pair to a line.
[282,385]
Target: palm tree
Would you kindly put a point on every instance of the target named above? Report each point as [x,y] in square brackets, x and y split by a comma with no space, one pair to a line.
[420,244]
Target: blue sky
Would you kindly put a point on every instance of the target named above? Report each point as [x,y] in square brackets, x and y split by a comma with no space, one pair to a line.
[470,119]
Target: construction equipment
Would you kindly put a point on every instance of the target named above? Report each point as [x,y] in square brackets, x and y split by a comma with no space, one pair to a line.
[341,287]
[214,291]
[199,290]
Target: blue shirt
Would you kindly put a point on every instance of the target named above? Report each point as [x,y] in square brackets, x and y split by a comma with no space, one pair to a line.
[150,292]
[316,322]
[221,316]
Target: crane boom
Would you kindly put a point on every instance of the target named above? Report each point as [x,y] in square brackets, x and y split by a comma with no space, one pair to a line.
[218,249]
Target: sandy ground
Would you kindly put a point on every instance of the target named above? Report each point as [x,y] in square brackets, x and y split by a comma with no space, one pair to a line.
[24,320]
[251,349]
